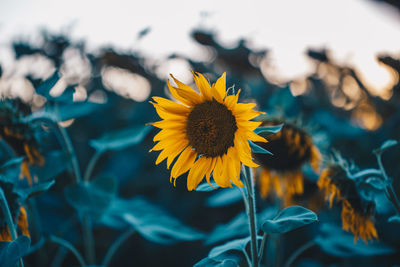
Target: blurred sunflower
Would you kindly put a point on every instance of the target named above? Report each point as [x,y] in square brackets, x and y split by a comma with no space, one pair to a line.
[209,131]
[357,213]
[19,135]
[18,213]
[281,173]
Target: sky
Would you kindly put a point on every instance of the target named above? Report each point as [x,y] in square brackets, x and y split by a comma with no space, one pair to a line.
[355,31]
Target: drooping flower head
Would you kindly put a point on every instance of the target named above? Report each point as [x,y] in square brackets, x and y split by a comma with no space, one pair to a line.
[207,132]
[357,213]
[18,213]
[19,135]
[281,174]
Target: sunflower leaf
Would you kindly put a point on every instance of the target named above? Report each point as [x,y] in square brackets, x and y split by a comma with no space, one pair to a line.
[11,252]
[205,187]
[45,87]
[227,259]
[289,219]
[237,244]
[150,221]
[266,131]
[258,149]
[386,145]
[120,139]
[93,197]
[224,197]
[237,227]
[335,241]
[394,219]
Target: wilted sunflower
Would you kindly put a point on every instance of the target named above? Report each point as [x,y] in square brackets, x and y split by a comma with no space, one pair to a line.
[357,213]
[19,135]
[281,173]
[208,131]
[18,213]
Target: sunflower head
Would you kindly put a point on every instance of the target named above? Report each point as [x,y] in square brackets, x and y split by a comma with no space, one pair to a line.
[357,213]
[19,135]
[207,131]
[281,173]
[18,212]
[291,146]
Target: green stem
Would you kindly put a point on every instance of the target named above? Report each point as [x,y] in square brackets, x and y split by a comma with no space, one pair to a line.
[91,165]
[7,214]
[66,143]
[390,193]
[261,252]
[248,177]
[69,246]
[88,239]
[298,252]
[114,247]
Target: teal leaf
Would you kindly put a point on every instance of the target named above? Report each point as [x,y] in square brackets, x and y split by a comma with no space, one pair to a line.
[11,252]
[237,244]
[374,182]
[93,197]
[224,197]
[237,227]
[289,219]
[120,139]
[258,149]
[11,169]
[394,219]
[76,110]
[205,187]
[224,260]
[334,241]
[56,162]
[45,87]
[386,145]
[149,220]
[35,189]
[266,131]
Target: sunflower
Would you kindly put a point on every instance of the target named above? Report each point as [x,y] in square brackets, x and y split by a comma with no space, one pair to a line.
[18,213]
[207,131]
[281,173]
[357,213]
[19,135]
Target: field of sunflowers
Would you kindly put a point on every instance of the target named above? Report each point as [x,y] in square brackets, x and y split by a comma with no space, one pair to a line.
[228,169]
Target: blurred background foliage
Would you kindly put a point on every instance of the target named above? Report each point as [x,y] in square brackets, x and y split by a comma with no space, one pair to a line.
[101,100]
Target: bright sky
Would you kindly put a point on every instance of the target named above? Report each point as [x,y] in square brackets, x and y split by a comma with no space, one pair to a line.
[354,30]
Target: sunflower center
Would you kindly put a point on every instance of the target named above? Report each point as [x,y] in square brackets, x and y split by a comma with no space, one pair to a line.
[211,128]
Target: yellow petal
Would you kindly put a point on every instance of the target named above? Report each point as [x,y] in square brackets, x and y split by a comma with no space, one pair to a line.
[249,125]
[168,133]
[176,151]
[244,151]
[168,150]
[187,97]
[171,106]
[184,162]
[166,115]
[231,100]
[255,137]
[219,173]
[203,85]
[234,166]
[243,107]
[219,88]
[170,124]
[197,172]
